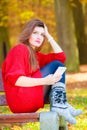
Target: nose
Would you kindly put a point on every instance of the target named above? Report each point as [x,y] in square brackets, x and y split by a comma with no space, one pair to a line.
[39,36]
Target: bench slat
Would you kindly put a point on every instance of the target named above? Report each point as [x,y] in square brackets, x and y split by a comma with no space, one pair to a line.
[3,101]
[1,82]
[19,118]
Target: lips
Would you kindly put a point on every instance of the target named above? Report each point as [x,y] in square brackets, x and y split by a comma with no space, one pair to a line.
[38,41]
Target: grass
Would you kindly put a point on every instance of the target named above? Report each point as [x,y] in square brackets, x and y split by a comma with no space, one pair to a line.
[76,97]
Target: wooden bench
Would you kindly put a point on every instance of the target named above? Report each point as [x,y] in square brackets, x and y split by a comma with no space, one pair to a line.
[20,117]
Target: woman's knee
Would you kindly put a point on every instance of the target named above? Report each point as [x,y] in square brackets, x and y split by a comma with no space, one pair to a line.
[58,63]
[51,67]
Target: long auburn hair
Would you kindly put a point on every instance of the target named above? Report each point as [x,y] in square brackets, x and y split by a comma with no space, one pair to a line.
[24,38]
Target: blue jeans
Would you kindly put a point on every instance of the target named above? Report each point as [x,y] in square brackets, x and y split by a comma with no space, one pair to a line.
[50,69]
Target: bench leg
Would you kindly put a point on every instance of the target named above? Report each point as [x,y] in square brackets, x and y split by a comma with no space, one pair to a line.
[49,121]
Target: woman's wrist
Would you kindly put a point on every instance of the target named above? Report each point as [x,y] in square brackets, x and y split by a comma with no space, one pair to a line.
[50,39]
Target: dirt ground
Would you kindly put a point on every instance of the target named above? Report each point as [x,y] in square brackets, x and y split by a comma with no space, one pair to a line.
[77,79]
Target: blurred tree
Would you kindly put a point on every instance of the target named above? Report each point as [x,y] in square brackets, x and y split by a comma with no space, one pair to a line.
[66,33]
[4,35]
[80,18]
[83,46]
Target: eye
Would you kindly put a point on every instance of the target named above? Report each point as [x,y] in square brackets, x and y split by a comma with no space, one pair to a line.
[43,35]
[34,32]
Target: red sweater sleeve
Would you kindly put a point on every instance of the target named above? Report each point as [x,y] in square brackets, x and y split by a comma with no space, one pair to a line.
[47,58]
[15,63]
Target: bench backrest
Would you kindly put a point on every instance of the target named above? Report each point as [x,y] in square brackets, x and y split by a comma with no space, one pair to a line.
[3,101]
[1,82]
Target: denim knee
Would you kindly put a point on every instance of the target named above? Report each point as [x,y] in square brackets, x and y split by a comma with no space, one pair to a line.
[58,63]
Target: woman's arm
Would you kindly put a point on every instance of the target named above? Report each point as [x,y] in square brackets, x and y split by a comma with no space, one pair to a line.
[54,44]
[24,81]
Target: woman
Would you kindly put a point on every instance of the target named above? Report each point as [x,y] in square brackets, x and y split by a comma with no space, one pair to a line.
[28,74]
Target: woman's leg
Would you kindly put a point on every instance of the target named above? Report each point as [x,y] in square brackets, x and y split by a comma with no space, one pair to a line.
[59,90]
[50,69]
[56,96]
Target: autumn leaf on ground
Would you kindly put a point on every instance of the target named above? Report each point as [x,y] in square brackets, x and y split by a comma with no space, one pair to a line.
[16,128]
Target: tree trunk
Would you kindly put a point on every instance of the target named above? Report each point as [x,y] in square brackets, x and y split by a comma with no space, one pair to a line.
[84,45]
[80,18]
[4,44]
[66,33]
[4,38]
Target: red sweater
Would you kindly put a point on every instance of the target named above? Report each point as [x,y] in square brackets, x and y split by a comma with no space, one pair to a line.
[24,99]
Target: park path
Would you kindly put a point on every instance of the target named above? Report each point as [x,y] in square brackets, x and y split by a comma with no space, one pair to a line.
[77,79]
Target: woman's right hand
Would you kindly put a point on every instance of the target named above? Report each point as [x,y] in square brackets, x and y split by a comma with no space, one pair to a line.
[51,79]
[47,34]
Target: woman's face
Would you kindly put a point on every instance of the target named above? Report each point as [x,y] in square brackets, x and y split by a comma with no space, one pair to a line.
[37,37]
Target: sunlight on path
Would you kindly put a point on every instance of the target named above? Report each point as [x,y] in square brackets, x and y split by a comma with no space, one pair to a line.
[76,77]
